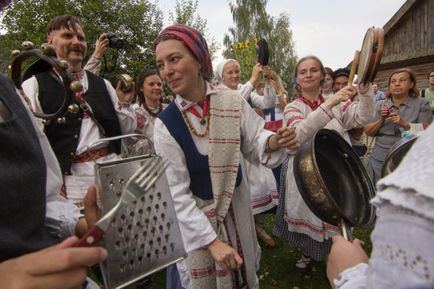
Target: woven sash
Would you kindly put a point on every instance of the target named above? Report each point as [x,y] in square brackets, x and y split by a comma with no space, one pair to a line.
[223,157]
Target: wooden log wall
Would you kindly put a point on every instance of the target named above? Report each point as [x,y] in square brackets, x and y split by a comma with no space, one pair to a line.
[409,42]
[412,35]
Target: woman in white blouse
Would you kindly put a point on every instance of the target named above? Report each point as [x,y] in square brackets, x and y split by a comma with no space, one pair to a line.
[309,113]
[260,181]
[201,135]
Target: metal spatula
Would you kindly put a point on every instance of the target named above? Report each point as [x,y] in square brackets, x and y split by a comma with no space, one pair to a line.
[140,183]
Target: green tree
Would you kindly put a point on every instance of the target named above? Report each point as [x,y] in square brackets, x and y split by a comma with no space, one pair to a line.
[252,21]
[185,13]
[136,21]
[283,57]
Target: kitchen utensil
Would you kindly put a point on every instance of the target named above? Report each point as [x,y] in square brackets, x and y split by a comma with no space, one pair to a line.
[138,185]
[333,182]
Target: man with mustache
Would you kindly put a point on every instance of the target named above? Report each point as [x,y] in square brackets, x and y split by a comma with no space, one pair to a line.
[96,112]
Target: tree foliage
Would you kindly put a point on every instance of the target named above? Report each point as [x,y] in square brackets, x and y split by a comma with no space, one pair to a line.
[185,13]
[252,21]
[283,57]
[138,22]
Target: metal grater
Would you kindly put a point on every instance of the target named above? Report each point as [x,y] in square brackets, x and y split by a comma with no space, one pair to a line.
[143,238]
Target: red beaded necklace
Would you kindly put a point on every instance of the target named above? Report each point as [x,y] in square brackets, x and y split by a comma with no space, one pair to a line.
[205,114]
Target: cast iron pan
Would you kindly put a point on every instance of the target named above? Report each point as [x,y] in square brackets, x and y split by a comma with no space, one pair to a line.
[262,53]
[395,155]
[334,183]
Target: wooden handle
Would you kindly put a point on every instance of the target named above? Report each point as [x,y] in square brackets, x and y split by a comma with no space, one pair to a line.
[92,236]
[354,67]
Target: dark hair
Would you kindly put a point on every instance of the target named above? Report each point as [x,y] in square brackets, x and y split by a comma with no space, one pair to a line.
[341,72]
[139,83]
[63,21]
[414,92]
[321,66]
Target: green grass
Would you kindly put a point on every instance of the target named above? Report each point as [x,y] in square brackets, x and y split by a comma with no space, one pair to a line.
[278,266]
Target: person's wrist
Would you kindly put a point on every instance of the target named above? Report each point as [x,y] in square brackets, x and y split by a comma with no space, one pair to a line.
[272,144]
[253,81]
[210,245]
[124,103]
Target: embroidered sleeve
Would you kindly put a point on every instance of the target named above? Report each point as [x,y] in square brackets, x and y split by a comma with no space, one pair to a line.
[292,115]
[305,121]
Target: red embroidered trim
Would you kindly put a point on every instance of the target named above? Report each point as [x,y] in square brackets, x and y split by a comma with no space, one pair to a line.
[204,105]
[312,104]
[291,111]
[91,155]
[346,105]
[203,272]
[302,223]
[292,119]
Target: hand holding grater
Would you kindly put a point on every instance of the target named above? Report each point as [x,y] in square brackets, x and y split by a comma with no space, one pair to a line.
[137,185]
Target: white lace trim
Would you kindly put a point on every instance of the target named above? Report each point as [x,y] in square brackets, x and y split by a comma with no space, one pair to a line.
[414,263]
[408,201]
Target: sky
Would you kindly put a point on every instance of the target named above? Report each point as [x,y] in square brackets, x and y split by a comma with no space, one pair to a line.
[330,29]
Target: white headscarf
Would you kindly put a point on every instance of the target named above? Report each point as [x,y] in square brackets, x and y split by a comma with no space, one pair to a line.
[219,69]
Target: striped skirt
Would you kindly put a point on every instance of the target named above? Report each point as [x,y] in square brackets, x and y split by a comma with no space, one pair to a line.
[308,246]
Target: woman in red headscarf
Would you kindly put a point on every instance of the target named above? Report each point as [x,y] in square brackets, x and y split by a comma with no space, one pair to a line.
[201,135]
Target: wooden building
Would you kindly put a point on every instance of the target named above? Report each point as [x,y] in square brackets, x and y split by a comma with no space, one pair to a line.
[409,42]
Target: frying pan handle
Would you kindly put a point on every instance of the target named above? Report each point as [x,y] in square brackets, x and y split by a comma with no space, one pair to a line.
[354,65]
[90,238]
[345,230]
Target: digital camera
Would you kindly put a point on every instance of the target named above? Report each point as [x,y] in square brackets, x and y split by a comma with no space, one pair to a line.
[114,40]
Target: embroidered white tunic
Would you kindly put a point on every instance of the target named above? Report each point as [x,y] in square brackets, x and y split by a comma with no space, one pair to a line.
[146,121]
[196,230]
[307,122]
[260,181]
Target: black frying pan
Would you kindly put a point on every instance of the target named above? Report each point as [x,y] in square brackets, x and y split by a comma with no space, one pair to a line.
[262,52]
[333,182]
[395,155]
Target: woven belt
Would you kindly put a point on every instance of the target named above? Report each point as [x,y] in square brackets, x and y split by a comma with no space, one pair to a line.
[91,155]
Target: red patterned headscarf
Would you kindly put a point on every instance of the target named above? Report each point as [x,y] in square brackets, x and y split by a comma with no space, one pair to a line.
[194,41]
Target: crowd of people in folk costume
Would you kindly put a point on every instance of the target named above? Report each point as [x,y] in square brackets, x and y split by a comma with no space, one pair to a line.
[229,149]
